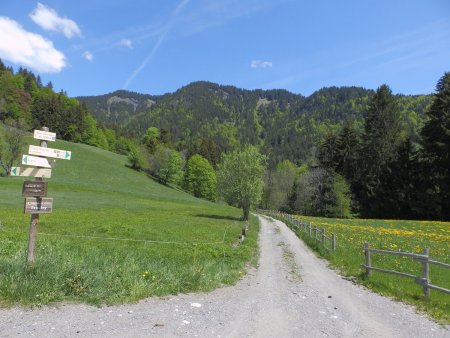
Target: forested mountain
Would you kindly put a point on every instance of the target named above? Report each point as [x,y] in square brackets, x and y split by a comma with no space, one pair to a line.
[119,106]
[341,151]
[208,118]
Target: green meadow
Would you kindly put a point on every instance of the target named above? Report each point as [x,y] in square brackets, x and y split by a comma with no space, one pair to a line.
[394,235]
[116,236]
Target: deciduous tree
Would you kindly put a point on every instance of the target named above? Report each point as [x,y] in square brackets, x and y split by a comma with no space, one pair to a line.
[200,178]
[240,178]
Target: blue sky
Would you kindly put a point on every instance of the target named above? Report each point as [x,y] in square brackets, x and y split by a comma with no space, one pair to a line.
[94,47]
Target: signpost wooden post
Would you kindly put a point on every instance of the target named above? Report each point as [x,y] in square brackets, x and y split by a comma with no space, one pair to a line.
[34,216]
[35,192]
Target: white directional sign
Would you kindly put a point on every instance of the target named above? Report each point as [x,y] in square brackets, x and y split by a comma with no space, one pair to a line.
[44,135]
[35,161]
[31,172]
[50,152]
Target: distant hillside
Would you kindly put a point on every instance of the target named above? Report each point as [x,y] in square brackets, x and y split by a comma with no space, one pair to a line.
[119,106]
[205,115]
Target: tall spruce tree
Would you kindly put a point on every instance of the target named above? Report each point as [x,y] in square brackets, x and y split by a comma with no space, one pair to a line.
[436,148]
[380,142]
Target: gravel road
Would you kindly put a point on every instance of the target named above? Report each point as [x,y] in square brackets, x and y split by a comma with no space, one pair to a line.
[291,294]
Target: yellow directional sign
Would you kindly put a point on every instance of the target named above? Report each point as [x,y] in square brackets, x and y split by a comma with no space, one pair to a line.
[50,152]
[31,172]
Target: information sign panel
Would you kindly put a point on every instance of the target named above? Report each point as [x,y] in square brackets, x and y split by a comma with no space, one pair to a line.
[37,205]
[44,135]
[34,189]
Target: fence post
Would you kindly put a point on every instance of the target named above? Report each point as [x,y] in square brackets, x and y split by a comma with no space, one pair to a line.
[367,254]
[323,235]
[309,229]
[333,241]
[426,272]
[315,232]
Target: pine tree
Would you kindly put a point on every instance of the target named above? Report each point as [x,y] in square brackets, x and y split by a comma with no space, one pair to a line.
[379,150]
[436,147]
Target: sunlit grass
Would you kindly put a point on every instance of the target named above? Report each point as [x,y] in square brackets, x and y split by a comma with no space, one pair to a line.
[395,235]
[116,236]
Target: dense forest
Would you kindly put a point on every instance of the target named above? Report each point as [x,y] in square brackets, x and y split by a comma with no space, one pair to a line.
[341,152]
[210,119]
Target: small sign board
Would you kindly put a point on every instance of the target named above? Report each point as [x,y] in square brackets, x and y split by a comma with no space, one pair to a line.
[49,152]
[38,205]
[31,172]
[36,161]
[44,135]
[34,189]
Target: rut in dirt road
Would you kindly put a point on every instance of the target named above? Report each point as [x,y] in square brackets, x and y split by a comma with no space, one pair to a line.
[291,294]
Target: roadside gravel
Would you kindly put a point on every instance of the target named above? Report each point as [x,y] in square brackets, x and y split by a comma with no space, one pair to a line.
[291,294]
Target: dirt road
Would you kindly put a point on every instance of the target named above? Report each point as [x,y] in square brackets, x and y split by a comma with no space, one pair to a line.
[291,294]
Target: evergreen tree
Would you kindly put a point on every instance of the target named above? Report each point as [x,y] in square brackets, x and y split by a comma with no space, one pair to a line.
[436,147]
[348,146]
[379,150]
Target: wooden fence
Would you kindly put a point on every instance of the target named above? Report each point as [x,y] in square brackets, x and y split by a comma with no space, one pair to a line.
[423,258]
[309,229]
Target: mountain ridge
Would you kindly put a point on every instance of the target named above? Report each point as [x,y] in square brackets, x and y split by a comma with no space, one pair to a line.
[204,114]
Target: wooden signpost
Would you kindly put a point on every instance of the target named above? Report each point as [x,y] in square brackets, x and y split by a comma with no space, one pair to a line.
[35,192]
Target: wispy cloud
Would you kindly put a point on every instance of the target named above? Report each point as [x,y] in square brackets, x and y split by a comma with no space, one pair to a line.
[88,55]
[28,49]
[261,64]
[213,13]
[48,19]
[126,43]
[162,36]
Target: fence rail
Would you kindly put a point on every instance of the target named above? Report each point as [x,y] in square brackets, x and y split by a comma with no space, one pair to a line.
[423,258]
[312,231]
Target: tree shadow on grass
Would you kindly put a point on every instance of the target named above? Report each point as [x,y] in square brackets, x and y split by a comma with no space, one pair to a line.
[231,218]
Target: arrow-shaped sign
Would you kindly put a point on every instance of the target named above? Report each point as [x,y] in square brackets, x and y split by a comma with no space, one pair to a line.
[35,161]
[31,172]
[50,152]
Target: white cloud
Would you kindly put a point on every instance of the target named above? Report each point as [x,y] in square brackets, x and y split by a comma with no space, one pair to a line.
[126,43]
[88,55]
[261,64]
[28,49]
[48,19]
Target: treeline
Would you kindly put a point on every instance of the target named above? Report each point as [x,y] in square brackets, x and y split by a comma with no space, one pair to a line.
[28,104]
[380,168]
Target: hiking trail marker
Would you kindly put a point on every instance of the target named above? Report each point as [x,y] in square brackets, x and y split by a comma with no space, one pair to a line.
[35,192]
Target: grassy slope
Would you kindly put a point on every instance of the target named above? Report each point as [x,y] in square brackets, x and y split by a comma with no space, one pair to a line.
[115,236]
